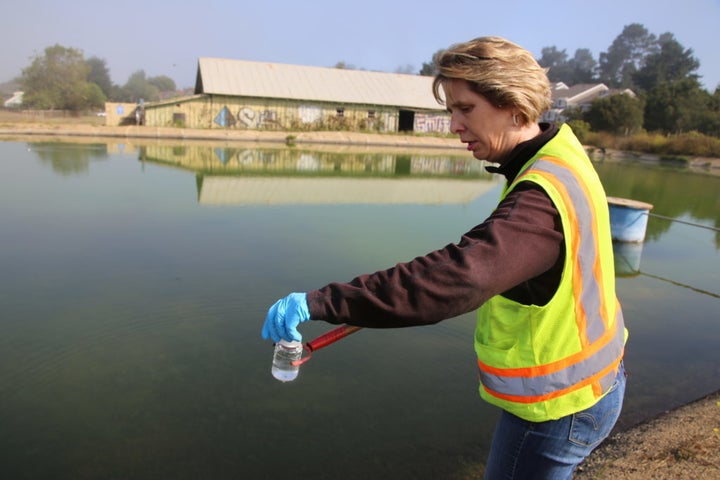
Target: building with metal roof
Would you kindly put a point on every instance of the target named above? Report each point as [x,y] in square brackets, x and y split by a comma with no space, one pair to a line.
[260,95]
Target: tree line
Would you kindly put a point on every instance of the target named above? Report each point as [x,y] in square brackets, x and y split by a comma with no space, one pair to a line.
[62,79]
[667,98]
[657,69]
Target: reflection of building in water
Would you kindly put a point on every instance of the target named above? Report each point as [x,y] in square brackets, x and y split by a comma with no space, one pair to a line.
[272,176]
[237,160]
[255,190]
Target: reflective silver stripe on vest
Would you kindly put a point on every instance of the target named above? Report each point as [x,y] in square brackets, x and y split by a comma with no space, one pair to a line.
[572,375]
[589,300]
[587,255]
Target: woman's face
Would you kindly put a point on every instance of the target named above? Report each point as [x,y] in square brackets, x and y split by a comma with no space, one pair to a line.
[488,131]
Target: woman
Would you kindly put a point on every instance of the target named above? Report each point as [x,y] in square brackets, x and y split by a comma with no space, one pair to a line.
[550,335]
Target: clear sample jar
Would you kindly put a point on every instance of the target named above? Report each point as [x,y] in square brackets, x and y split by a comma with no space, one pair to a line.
[285,354]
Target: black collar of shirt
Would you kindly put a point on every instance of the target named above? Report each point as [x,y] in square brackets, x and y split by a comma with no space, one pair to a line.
[524,152]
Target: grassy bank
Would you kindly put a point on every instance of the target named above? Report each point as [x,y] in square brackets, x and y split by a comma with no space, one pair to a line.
[677,146]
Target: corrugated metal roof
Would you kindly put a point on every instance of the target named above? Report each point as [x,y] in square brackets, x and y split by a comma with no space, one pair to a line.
[580,89]
[219,76]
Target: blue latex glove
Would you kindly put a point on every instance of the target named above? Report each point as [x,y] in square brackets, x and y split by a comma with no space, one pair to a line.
[284,317]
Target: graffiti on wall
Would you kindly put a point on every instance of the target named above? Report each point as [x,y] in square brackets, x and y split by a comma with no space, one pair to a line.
[252,118]
[431,123]
[248,118]
[309,114]
[225,118]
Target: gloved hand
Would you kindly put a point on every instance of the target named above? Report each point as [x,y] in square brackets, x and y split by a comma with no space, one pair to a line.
[284,317]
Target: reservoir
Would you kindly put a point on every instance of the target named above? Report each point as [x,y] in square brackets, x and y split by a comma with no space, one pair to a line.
[136,277]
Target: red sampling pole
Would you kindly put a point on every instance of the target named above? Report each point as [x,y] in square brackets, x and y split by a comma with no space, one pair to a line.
[324,340]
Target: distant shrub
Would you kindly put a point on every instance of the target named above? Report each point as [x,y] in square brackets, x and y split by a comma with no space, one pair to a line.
[644,142]
[691,144]
[695,144]
[580,128]
[601,140]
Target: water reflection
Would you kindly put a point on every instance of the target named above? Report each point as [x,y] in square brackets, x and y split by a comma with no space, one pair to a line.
[291,176]
[271,161]
[674,193]
[68,158]
[628,256]
[627,259]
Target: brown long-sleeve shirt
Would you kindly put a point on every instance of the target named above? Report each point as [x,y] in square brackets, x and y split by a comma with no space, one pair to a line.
[516,252]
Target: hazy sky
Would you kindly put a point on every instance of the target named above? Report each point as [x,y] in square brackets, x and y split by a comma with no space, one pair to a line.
[164,37]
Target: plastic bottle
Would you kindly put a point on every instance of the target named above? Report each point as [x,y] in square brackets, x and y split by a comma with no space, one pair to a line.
[286,353]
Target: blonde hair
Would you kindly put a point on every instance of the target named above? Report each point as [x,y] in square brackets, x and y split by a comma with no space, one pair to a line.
[505,74]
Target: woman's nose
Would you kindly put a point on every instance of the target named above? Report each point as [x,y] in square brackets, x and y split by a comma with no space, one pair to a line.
[455,125]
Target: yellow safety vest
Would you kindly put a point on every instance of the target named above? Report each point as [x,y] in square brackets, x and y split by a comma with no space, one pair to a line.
[543,362]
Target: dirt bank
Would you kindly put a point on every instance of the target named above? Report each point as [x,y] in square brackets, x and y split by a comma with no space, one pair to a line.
[60,128]
[681,444]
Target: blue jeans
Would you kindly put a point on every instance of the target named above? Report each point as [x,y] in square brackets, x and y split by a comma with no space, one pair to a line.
[552,450]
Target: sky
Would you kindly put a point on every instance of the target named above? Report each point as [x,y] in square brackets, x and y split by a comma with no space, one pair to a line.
[166,37]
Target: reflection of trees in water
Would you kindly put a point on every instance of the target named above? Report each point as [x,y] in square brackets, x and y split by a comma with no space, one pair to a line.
[69,158]
[673,192]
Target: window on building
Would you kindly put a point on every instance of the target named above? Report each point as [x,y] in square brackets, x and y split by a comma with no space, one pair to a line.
[371,114]
[340,112]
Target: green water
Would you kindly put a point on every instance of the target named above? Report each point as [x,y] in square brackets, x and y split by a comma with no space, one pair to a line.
[135,281]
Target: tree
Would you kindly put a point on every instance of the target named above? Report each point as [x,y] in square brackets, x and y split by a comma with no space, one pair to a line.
[676,101]
[583,66]
[100,75]
[95,96]
[678,106]
[620,113]
[712,120]
[405,70]
[342,65]
[138,87]
[57,80]
[556,62]
[670,63]
[163,83]
[579,69]
[626,56]
[428,69]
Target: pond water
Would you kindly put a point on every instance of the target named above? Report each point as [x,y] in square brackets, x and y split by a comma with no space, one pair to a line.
[135,279]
